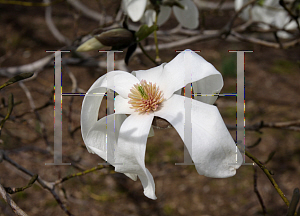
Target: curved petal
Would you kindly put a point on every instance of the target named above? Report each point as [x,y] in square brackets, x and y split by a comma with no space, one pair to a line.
[164,15]
[149,17]
[123,81]
[209,85]
[135,8]
[150,75]
[131,149]
[173,77]
[188,17]
[245,14]
[122,106]
[213,149]
[98,135]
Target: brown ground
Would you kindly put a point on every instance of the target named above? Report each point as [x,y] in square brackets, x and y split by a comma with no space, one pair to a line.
[272,87]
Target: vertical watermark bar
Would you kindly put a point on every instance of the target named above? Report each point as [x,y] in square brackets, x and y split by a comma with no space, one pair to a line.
[57,110]
[110,126]
[240,103]
[188,138]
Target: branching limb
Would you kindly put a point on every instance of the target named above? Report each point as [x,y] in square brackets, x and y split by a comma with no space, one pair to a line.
[11,203]
[47,185]
[295,17]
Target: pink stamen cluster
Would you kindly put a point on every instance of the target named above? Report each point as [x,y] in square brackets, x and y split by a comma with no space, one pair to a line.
[145,97]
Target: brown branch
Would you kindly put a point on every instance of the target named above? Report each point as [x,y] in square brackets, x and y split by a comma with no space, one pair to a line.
[11,203]
[289,125]
[47,185]
[253,40]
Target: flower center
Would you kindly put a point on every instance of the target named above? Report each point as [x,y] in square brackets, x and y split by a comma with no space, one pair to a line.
[145,97]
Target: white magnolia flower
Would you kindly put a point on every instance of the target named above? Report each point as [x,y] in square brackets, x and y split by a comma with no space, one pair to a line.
[149,93]
[269,13]
[187,17]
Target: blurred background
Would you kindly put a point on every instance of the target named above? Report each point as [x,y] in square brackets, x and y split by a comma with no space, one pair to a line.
[271,95]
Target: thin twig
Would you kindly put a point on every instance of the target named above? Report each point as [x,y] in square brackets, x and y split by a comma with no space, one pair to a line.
[78,174]
[33,108]
[268,174]
[16,190]
[48,103]
[257,192]
[147,55]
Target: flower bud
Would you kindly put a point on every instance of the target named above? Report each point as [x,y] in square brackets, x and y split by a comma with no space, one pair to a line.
[91,44]
[118,38]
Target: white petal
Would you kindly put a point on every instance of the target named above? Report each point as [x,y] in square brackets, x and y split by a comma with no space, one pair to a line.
[123,81]
[164,15]
[96,137]
[213,149]
[173,76]
[135,8]
[149,17]
[150,75]
[188,17]
[208,85]
[122,106]
[131,150]
[245,14]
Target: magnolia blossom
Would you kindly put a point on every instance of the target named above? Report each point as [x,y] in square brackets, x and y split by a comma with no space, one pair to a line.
[145,94]
[137,10]
[269,13]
